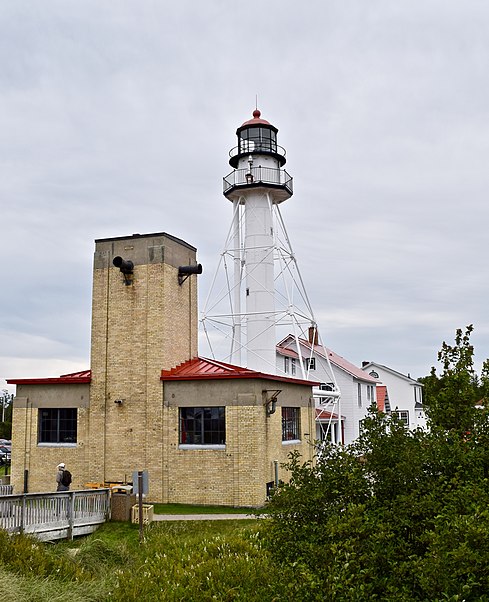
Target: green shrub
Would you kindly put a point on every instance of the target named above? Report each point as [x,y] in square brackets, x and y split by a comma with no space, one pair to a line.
[398,515]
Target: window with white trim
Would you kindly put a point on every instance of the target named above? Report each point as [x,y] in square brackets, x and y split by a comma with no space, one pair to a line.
[418,395]
[310,363]
[359,388]
[286,365]
[57,425]
[326,386]
[403,416]
[202,426]
[292,366]
[291,424]
[370,394]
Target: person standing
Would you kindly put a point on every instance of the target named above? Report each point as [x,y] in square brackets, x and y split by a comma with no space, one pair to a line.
[61,477]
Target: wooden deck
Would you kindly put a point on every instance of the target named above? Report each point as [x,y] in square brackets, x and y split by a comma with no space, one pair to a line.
[57,515]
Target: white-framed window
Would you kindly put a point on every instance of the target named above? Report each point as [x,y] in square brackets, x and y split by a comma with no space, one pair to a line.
[359,388]
[418,395]
[292,366]
[326,386]
[202,426]
[57,426]
[291,424]
[403,416]
[370,394]
[286,365]
[310,363]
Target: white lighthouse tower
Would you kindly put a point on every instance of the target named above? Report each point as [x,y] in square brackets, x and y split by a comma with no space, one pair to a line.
[256,184]
[257,296]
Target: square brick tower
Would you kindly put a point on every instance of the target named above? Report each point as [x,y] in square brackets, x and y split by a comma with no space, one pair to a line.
[144,319]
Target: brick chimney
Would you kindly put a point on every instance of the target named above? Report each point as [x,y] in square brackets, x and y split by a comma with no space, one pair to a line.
[313,335]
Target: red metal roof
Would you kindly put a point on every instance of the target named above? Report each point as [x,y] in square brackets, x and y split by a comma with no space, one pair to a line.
[355,371]
[201,368]
[325,415]
[75,378]
[334,358]
[256,119]
[287,352]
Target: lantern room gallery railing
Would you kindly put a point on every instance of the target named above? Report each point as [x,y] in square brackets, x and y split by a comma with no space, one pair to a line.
[258,176]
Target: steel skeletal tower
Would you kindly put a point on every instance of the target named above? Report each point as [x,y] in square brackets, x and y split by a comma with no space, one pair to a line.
[258,296]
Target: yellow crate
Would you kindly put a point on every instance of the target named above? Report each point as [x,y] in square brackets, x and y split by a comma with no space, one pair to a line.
[94,485]
[148,511]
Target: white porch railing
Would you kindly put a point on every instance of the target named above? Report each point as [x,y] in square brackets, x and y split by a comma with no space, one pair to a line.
[57,515]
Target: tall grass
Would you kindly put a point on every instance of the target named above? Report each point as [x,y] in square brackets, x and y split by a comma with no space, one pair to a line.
[192,561]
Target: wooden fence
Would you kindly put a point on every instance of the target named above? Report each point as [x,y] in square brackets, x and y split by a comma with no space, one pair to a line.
[59,515]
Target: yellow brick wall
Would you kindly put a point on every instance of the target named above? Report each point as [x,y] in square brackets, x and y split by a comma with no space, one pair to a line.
[41,461]
[238,474]
[137,331]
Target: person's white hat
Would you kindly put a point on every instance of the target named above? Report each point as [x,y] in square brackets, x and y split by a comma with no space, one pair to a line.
[61,465]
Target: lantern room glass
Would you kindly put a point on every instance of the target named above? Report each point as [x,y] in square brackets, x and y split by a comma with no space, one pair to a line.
[257,139]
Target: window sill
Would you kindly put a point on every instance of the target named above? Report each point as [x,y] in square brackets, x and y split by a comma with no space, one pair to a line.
[292,442]
[57,444]
[189,446]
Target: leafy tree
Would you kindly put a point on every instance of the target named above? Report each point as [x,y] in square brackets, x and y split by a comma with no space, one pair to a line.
[398,515]
[451,398]
[6,401]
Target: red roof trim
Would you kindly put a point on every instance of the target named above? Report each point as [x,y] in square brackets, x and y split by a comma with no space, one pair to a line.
[75,378]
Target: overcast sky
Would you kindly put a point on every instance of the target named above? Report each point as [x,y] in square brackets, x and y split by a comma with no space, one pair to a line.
[116,117]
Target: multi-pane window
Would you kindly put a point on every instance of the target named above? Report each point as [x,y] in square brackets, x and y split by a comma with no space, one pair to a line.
[326,387]
[57,425]
[310,363]
[289,365]
[403,416]
[359,395]
[203,426]
[370,394]
[291,424]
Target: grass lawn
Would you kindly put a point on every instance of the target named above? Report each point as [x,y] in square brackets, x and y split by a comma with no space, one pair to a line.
[189,509]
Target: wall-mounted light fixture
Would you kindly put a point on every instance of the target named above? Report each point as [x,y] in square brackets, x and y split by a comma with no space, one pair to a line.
[184,271]
[126,266]
[118,402]
[270,400]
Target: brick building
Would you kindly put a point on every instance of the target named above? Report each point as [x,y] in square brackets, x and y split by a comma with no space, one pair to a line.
[207,432]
